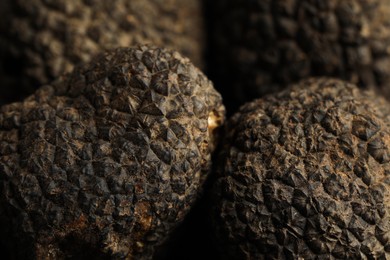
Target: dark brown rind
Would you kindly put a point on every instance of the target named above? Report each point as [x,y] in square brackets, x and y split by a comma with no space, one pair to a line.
[305,174]
[262,46]
[106,161]
[42,39]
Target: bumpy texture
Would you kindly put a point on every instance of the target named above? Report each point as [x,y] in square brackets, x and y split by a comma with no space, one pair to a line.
[42,39]
[106,161]
[264,45]
[306,175]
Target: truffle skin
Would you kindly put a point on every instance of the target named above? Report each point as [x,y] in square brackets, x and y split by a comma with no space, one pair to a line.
[265,45]
[305,175]
[42,39]
[107,160]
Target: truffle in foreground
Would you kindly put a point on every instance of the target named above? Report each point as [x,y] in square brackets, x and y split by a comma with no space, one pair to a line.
[305,175]
[106,161]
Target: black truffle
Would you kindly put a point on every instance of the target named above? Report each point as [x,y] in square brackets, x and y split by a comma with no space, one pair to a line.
[305,175]
[265,45]
[42,39]
[105,161]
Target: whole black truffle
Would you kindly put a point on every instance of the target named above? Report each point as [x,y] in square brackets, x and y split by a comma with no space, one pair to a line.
[306,175]
[265,45]
[42,39]
[107,160]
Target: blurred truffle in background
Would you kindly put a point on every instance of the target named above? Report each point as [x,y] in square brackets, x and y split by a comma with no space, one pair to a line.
[262,46]
[43,39]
